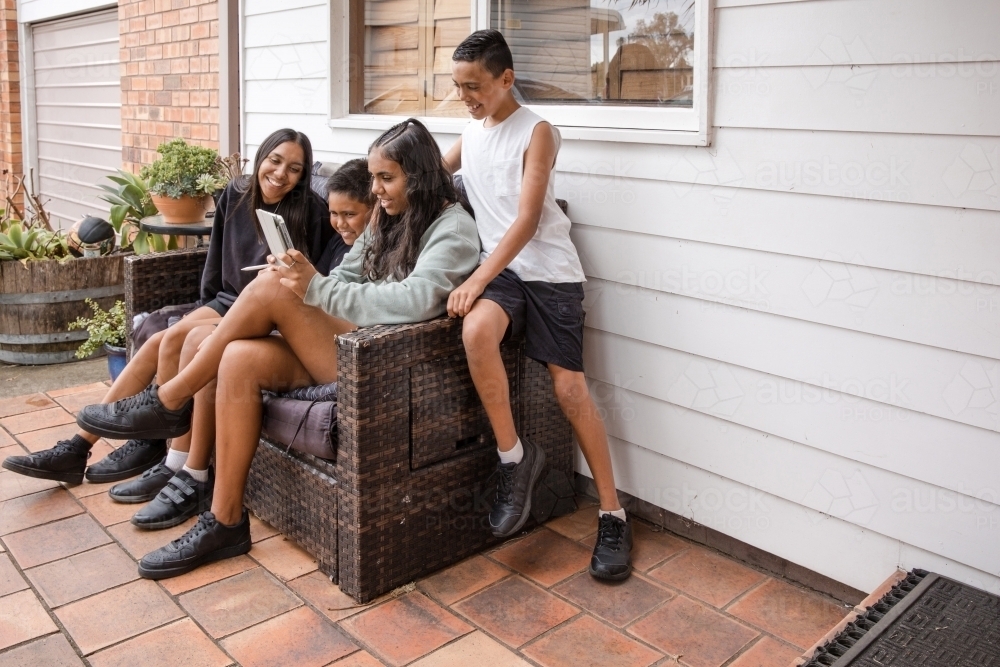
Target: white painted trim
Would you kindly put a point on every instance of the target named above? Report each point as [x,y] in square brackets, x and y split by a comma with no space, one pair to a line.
[44,10]
[340,65]
[29,129]
[681,127]
[382,123]
[242,95]
[480,14]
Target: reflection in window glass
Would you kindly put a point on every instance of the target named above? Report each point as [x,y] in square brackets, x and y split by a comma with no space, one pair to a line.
[634,52]
[597,52]
[407,47]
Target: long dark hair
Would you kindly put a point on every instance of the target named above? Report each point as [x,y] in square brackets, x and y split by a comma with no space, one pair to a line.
[295,206]
[395,239]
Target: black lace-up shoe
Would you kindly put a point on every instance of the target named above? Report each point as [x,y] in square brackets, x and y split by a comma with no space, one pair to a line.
[129,460]
[207,541]
[139,416]
[145,488]
[515,482]
[181,498]
[63,463]
[612,557]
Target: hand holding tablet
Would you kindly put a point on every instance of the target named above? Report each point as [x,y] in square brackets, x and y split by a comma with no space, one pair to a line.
[276,234]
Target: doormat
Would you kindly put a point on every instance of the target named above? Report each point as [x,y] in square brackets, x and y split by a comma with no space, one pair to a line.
[926,620]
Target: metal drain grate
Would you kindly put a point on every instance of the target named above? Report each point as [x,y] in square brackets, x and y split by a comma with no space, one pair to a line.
[925,620]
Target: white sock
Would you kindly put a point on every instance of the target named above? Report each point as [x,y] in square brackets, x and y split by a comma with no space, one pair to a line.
[512,455]
[616,513]
[197,475]
[176,460]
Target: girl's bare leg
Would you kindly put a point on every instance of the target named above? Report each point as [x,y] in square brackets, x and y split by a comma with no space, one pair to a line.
[158,356]
[174,338]
[247,367]
[265,304]
[200,440]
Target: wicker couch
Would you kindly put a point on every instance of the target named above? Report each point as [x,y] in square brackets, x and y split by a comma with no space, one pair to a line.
[409,491]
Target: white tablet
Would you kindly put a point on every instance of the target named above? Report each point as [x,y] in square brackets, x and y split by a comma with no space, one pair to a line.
[275,233]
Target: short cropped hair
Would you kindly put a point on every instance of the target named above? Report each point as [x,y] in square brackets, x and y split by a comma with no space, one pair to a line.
[353,180]
[488,48]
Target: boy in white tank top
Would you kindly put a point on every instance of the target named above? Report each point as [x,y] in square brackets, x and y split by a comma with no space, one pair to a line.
[529,280]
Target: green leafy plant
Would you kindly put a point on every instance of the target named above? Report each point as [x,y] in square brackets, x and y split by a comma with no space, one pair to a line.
[26,241]
[106,326]
[183,169]
[27,235]
[130,203]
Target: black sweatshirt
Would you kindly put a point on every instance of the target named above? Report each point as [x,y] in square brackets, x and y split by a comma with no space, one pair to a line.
[234,245]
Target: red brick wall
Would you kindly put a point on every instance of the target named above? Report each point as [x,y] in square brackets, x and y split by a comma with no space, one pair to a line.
[170,75]
[10,93]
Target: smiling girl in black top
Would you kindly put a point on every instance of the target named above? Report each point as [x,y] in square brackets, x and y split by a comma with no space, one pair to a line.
[280,183]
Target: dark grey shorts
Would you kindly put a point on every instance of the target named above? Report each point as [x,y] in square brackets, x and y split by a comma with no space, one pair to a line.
[550,315]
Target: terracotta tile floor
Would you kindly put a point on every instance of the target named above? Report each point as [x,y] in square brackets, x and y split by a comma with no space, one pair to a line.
[70,594]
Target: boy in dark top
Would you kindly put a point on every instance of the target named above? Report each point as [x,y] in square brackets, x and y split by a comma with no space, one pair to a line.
[350,202]
[529,280]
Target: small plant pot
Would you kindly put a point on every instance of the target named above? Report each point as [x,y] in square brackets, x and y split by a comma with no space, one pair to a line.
[116,360]
[183,211]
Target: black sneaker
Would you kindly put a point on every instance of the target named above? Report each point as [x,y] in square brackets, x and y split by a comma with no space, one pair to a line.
[207,541]
[139,416]
[145,488]
[63,463]
[129,460]
[515,483]
[181,498]
[612,557]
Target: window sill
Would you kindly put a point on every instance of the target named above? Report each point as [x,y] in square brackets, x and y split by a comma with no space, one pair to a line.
[381,123]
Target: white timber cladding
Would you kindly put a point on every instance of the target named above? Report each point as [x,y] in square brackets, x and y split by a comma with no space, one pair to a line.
[794,333]
[73,97]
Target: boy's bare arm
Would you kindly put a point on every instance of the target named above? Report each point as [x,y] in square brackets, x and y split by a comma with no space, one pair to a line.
[538,162]
[453,158]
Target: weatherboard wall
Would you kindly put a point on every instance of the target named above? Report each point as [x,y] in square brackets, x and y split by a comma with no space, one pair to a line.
[794,333]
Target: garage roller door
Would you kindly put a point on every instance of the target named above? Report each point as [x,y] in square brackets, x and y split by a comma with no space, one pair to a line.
[77,128]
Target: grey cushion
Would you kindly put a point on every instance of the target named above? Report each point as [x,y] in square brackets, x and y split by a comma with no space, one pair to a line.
[304,419]
[321,171]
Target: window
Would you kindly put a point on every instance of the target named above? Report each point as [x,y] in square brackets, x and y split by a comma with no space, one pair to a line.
[625,65]
[406,49]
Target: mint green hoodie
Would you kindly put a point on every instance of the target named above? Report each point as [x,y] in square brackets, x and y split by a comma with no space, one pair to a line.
[449,252]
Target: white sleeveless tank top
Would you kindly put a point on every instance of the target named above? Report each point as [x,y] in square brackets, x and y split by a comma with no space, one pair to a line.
[492,168]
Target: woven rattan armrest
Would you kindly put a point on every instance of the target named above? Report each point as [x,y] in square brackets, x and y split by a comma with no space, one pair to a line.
[373,375]
[400,515]
[161,279]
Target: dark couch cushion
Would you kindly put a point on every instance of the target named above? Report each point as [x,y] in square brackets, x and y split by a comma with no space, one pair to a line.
[303,419]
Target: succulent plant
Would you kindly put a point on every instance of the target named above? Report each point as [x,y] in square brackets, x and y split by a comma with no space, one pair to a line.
[24,242]
[183,169]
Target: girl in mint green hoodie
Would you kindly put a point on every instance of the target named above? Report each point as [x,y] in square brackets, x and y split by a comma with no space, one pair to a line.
[420,245]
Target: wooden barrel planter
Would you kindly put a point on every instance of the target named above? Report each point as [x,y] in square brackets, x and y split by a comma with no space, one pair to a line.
[39,300]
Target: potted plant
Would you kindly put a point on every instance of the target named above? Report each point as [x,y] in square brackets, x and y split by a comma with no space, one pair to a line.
[131,201]
[42,285]
[181,180]
[105,329]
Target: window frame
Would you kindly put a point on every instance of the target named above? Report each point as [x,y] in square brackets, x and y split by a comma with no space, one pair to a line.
[677,126]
